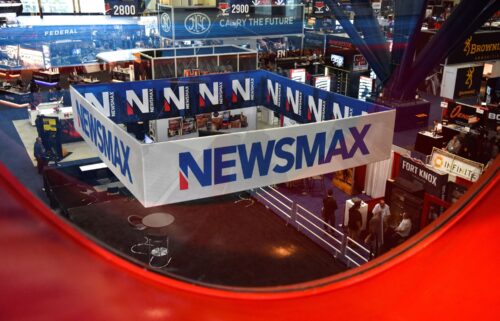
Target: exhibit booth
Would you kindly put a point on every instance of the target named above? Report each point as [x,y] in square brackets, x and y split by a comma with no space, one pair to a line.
[193,61]
[337,132]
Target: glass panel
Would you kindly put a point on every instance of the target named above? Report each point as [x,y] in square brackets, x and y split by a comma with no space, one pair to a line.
[248,62]
[207,64]
[185,64]
[30,6]
[228,63]
[57,6]
[164,68]
[92,6]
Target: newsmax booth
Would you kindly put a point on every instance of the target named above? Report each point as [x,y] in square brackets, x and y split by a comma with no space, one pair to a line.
[336,133]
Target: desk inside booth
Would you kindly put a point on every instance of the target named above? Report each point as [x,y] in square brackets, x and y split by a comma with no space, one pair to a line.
[427,140]
[15,96]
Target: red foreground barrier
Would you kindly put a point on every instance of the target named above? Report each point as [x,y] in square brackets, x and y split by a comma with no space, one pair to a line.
[448,271]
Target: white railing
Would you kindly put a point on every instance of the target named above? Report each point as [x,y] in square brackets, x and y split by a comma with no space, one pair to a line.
[329,237]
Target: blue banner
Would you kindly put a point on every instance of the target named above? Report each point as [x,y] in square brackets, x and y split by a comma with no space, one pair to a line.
[189,96]
[228,20]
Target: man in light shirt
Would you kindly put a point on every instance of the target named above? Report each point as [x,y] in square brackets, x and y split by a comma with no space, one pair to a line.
[401,232]
[384,211]
[404,227]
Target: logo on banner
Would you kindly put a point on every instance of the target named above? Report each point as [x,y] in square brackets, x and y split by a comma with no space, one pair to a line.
[105,103]
[472,48]
[294,100]
[110,146]
[197,23]
[468,77]
[224,8]
[165,22]
[144,102]
[291,152]
[179,99]
[319,5]
[245,91]
[456,112]
[274,93]
[316,108]
[214,95]
[493,116]
[60,32]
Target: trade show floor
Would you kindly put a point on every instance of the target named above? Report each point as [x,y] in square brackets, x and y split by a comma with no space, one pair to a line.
[27,133]
[219,241]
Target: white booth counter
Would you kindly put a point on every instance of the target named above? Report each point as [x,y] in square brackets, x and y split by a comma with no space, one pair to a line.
[50,109]
[363,210]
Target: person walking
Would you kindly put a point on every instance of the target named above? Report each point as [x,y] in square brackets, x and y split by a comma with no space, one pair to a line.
[328,210]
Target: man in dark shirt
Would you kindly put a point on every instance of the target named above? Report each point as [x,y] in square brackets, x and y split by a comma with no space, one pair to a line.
[40,155]
[354,224]
[328,210]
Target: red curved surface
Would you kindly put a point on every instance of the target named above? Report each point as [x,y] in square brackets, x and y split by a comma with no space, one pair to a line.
[449,271]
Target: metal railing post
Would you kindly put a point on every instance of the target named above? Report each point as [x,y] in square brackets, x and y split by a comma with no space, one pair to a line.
[293,214]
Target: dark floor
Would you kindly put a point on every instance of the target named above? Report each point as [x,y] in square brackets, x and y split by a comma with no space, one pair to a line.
[213,241]
[216,242]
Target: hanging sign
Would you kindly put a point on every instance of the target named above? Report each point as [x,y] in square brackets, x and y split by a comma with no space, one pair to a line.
[432,181]
[456,165]
[217,165]
[481,46]
[243,20]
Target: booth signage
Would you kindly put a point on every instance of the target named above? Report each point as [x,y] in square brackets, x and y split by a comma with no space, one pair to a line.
[134,101]
[462,114]
[246,160]
[124,7]
[115,147]
[481,46]
[493,119]
[208,23]
[468,81]
[455,165]
[432,181]
[216,165]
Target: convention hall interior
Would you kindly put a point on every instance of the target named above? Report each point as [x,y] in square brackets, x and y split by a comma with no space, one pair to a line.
[249,159]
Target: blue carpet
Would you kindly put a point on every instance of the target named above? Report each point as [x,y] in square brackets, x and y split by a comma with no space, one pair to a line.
[13,153]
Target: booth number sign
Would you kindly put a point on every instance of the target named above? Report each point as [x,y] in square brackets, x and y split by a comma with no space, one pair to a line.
[123,8]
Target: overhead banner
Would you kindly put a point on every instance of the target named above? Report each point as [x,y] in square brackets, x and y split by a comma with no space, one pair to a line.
[481,46]
[115,147]
[228,20]
[217,165]
[190,96]
[432,181]
[187,169]
[455,165]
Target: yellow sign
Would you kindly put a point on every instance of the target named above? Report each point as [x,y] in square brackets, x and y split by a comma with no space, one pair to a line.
[49,125]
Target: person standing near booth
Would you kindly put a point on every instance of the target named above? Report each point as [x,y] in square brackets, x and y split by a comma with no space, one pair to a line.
[355,221]
[328,210]
[384,211]
[40,155]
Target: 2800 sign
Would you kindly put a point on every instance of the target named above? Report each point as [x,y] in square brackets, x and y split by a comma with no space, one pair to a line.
[124,8]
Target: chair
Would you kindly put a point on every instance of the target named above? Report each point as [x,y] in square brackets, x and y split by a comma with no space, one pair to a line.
[136,222]
[159,253]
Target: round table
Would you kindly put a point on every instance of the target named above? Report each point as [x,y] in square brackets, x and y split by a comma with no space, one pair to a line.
[158,220]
